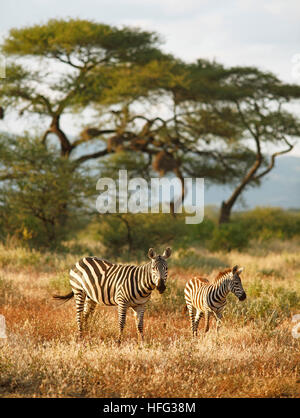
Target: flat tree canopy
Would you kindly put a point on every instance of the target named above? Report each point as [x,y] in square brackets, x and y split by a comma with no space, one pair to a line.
[93,57]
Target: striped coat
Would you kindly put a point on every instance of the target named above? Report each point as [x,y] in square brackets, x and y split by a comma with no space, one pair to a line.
[205,299]
[97,281]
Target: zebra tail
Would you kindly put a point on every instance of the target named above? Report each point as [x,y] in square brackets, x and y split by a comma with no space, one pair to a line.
[184,310]
[65,298]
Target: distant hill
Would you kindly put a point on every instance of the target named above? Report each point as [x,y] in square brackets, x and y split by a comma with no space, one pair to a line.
[281,187]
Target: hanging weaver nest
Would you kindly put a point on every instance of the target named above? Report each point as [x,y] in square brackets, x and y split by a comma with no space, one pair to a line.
[115,143]
[138,144]
[163,163]
[89,133]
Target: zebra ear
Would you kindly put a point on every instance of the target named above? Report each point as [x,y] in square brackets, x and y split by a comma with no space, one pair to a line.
[235,269]
[151,253]
[167,253]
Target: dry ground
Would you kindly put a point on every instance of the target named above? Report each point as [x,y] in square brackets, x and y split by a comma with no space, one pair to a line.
[255,354]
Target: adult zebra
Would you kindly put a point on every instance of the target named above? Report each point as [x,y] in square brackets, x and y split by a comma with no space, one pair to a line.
[210,298]
[95,280]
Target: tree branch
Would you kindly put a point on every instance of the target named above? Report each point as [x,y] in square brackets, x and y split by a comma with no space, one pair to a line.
[90,133]
[272,161]
[94,155]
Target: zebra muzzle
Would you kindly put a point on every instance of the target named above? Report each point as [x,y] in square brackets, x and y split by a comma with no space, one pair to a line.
[242,297]
[161,286]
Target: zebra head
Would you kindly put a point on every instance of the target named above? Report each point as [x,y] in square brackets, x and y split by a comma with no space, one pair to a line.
[236,284]
[159,268]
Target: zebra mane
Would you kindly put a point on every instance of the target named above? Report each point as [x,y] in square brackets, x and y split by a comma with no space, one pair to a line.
[202,279]
[221,274]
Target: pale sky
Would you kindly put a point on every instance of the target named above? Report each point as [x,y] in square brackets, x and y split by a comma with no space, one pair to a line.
[263,33]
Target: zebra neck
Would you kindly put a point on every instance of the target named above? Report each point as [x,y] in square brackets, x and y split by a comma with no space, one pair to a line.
[222,286]
[146,277]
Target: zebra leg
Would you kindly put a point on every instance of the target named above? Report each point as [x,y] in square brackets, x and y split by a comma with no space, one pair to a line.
[122,310]
[206,318]
[218,316]
[88,310]
[139,318]
[192,318]
[199,315]
[79,300]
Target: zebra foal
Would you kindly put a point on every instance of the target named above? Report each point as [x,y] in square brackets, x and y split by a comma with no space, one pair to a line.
[97,281]
[210,298]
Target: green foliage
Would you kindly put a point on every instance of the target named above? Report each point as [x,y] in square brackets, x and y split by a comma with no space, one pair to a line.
[269,223]
[135,164]
[201,233]
[229,237]
[134,234]
[96,65]
[124,234]
[42,196]
[63,38]
[99,63]
[257,225]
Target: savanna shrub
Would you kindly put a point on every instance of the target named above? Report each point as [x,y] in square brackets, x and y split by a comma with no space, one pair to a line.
[44,198]
[268,223]
[133,234]
[200,233]
[229,236]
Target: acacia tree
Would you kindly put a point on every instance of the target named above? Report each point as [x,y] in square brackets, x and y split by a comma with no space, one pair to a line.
[221,121]
[257,99]
[103,66]
[190,140]
[92,58]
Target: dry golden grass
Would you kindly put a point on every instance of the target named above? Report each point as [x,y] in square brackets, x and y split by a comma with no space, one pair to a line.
[254,355]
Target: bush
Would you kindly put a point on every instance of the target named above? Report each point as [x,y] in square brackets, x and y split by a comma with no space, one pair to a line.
[269,223]
[133,234]
[42,198]
[125,235]
[201,233]
[227,237]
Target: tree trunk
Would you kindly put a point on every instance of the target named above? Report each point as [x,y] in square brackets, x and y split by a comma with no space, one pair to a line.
[172,204]
[225,213]
[65,144]
[227,206]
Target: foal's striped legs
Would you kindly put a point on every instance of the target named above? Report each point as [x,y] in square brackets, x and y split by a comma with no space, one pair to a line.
[79,300]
